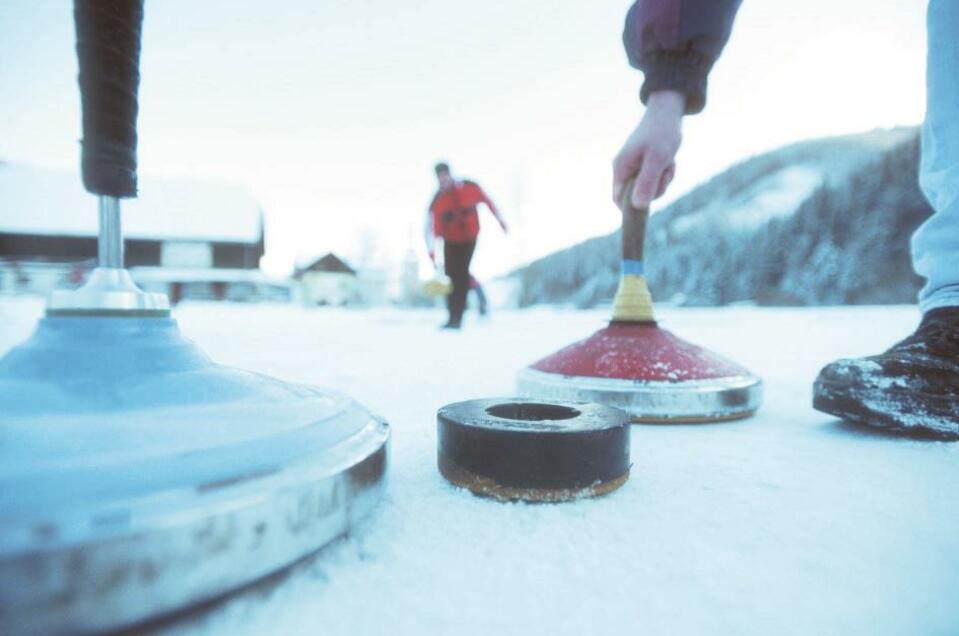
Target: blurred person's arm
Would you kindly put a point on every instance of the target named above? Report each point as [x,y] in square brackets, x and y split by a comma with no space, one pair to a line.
[429,236]
[484,198]
[675,44]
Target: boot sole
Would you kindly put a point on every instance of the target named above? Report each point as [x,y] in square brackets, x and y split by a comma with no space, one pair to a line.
[918,414]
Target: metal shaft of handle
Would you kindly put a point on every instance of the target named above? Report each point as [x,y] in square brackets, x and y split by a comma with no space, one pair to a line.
[110,241]
[109,290]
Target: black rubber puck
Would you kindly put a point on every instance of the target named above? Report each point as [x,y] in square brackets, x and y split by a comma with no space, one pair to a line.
[511,449]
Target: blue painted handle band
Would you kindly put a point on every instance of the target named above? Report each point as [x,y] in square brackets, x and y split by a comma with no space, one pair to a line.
[632,267]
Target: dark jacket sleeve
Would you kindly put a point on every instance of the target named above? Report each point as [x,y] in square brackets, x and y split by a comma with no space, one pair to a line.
[676,42]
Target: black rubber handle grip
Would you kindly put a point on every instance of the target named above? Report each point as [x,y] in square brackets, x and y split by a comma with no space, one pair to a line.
[108,49]
[634,226]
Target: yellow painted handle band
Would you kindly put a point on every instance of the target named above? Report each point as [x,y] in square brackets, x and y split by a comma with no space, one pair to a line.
[633,302]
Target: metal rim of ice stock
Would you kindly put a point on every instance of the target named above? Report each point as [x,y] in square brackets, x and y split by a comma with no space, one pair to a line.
[176,549]
[694,401]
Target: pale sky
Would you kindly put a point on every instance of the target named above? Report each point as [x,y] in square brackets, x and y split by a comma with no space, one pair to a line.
[332,112]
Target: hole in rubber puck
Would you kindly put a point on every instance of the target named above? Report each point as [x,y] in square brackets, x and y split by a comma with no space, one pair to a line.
[532,411]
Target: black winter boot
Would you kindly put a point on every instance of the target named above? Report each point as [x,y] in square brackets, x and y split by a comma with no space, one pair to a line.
[914,386]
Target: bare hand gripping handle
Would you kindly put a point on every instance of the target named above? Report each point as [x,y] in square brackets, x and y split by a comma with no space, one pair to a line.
[108,48]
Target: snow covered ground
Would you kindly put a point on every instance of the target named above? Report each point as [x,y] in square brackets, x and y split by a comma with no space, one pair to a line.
[787,523]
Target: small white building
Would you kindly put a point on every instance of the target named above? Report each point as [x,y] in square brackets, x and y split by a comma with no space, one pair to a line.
[329,280]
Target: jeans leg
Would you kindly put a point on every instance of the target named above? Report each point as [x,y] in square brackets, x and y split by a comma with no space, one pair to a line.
[935,245]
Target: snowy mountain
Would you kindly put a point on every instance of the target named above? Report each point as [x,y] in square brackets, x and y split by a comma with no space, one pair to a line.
[820,222]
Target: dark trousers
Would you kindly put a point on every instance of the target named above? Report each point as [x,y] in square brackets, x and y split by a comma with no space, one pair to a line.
[457,257]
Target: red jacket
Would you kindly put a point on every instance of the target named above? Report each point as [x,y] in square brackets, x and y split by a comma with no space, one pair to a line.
[454,214]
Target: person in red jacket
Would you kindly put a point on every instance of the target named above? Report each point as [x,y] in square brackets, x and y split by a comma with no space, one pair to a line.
[453,217]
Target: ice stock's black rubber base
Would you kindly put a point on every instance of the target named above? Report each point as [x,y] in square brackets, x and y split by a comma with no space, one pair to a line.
[511,449]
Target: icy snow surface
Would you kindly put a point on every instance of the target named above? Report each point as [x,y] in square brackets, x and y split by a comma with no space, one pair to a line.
[787,523]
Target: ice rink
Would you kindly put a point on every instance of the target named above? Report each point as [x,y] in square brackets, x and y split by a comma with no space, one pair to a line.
[786,523]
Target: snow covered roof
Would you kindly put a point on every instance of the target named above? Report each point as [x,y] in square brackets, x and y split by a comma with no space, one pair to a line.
[331,263]
[54,202]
